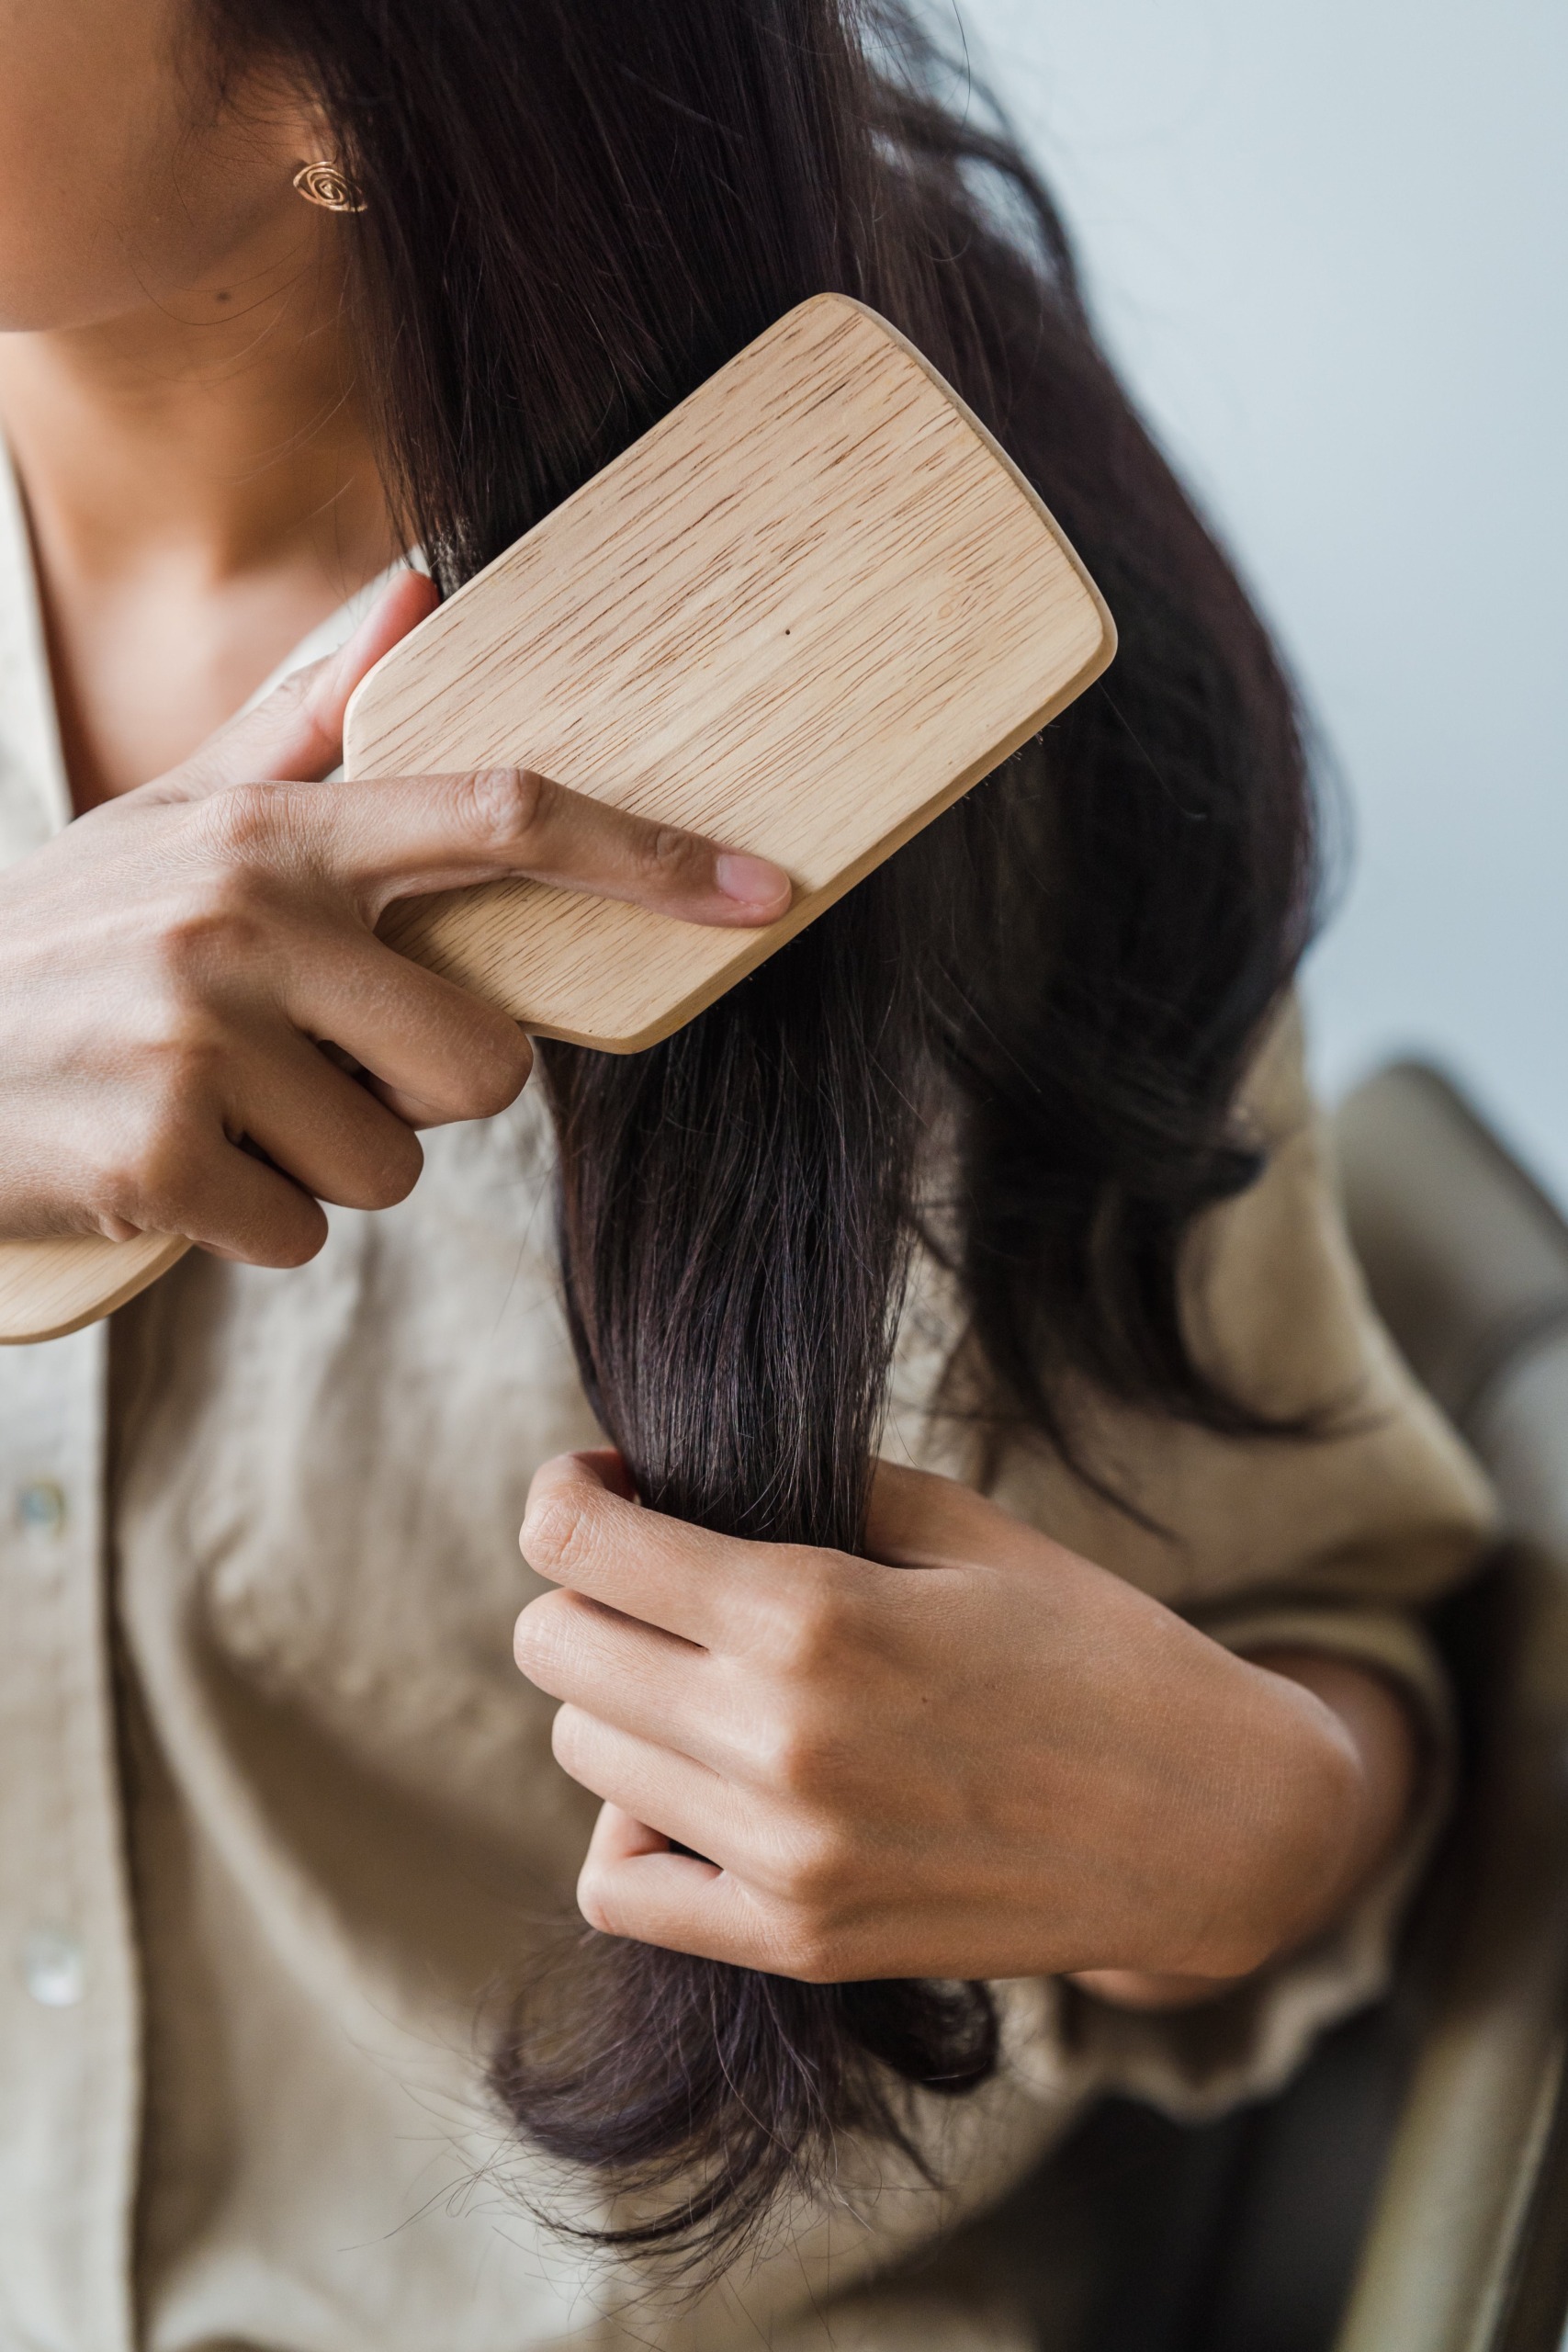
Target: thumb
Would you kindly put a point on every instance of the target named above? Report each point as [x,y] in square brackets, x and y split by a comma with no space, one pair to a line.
[296,735]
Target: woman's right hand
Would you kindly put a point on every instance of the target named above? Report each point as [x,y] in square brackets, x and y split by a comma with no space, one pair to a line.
[172,963]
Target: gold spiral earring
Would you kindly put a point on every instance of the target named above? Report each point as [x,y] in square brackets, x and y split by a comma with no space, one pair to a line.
[329,186]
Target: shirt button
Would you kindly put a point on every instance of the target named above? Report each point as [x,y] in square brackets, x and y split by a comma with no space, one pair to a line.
[40,1507]
[54,1968]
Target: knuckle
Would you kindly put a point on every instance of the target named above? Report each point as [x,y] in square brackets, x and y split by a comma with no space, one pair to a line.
[389,1168]
[816,1626]
[566,1743]
[533,1637]
[821,1869]
[808,1949]
[217,923]
[292,1241]
[596,1901]
[559,1531]
[1238,1953]
[179,1048]
[242,820]
[496,1071]
[666,856]
[188,945]
[378,1188]
[798,1755]
[177,1065]
[503,805]
[146,1177]
[390,1185]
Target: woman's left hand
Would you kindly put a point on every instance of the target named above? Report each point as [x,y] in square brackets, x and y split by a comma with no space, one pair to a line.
[1006,1763]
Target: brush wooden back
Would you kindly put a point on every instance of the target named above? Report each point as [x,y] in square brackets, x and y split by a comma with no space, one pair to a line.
[807,610]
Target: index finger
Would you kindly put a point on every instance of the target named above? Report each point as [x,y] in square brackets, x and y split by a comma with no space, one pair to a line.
[403,837]
[686,1580]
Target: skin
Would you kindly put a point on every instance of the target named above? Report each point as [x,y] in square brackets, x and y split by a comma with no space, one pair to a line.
[176,386]
[1006,1763]
[178,394]
[972,1754]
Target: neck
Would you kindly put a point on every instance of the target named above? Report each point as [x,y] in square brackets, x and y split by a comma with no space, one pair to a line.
[202,490]
[215,435]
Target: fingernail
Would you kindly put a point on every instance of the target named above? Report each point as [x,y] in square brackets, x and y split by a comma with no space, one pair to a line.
[751,880]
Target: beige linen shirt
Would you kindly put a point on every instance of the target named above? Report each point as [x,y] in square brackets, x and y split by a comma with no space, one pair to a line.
[277,1814]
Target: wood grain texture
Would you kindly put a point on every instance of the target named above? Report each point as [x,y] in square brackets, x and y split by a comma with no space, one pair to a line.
[50,1287]
[802,614]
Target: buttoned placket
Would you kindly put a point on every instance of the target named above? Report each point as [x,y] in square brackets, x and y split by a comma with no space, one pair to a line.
[69,2023]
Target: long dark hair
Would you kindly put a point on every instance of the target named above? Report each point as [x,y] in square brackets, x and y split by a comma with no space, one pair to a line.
[575,213]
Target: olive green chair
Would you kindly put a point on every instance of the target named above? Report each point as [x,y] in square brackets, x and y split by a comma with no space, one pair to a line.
[1466,2247]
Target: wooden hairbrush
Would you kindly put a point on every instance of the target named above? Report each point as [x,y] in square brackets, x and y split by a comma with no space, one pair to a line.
[806,611]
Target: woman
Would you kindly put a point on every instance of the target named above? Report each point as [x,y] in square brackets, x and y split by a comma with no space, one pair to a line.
[1153,1737]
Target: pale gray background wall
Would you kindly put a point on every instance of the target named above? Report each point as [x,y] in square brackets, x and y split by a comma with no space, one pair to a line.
[1328,240]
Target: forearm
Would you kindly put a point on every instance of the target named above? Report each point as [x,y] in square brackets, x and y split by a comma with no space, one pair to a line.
[1379,1732]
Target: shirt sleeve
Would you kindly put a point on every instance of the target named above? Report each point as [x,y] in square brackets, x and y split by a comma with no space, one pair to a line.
[1336,1542]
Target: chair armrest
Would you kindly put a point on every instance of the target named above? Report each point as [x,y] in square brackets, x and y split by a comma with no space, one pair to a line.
[1456,2258]
[1466,1257]
[1468,2247]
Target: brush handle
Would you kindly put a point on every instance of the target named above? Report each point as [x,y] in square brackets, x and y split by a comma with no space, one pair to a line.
[802,614]
[48,1288]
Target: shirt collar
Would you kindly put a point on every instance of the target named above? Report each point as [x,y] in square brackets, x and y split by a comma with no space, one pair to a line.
[35,796]
[35,800]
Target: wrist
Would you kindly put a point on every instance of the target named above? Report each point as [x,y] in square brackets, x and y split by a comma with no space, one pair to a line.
[1305,1803]
[1324,1759]
[1376,1723]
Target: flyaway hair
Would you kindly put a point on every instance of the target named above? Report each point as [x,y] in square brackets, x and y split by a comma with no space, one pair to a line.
[574,214]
